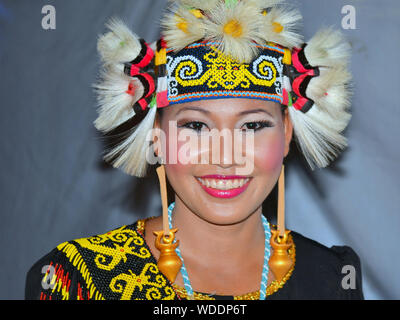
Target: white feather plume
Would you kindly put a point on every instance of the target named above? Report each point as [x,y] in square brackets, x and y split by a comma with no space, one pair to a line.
[181,28]
[319,131]
[328,48]
[130,154]
[319,134]
[282,25]
[118,45]
[248,17]
[331,90]
[115,105]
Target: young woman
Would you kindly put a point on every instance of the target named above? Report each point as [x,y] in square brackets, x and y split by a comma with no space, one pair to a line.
[237,67]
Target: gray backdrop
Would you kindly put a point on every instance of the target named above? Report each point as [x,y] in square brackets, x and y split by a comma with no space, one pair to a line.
[54,186]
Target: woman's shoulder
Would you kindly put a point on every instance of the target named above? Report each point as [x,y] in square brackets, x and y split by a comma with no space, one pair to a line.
[60,273]
[323,272]
[92,267]
[317,252]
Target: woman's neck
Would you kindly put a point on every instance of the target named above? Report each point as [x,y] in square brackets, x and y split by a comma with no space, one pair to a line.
[218,245]
[216,256]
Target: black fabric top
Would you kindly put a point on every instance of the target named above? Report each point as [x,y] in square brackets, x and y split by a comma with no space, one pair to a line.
[118,265]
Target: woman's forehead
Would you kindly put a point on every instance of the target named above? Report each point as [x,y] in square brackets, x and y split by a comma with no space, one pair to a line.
[224,107]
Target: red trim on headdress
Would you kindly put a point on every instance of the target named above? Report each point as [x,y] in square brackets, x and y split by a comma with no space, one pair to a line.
[162,99]
[300,102]
[285,97]
[150,81]
[147,58]
[151,87]
[134,70]
[296,61]
[143,103]
[297,81]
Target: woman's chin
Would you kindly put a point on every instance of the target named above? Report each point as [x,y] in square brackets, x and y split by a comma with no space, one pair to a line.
[226,215]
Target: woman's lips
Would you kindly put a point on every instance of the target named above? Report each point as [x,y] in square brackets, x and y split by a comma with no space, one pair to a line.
[222,186]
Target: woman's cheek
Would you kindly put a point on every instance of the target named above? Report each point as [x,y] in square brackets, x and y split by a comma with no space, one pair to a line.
[178,161]
[269,152]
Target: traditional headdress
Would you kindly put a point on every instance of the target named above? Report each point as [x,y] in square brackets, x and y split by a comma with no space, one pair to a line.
[216,49]
[212,49]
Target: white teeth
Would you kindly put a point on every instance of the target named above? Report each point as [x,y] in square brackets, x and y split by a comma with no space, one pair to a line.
[223,184]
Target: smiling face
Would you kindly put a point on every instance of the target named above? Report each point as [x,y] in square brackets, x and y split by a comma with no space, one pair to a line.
[214,191]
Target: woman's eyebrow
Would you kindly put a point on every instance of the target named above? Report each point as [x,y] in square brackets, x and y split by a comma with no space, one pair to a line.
[255,111]
[208,112]
[194,109]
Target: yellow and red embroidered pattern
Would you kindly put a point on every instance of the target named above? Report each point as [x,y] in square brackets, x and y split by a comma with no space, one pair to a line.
[117,265]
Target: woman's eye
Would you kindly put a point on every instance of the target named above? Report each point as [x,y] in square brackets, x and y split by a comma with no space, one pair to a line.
[257,125]
[194,125]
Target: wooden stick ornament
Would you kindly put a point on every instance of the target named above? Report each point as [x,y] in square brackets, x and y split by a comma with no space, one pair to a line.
[169,262]
[280,261]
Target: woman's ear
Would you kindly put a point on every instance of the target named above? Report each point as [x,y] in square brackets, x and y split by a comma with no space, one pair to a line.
[157,125]
[288,130]
[157,121]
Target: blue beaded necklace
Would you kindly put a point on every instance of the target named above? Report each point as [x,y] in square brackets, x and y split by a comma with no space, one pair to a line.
[264,277]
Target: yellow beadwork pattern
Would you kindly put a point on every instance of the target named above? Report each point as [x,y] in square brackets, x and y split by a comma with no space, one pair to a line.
[117,262]
[78,262]
[223,71]
[131,242]
[132,281]
[203,71]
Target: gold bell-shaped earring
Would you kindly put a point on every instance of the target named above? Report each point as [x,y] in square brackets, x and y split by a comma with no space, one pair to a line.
[280,261]
[169,262]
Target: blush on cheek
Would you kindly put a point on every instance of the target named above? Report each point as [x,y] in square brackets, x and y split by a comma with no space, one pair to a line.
[183,150]
[174,161]
[269,154]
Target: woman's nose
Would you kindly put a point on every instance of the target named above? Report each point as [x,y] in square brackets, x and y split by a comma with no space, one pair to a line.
[223,149]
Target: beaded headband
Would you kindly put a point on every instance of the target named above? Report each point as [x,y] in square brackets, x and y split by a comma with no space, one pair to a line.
[201,71]
[212,49]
